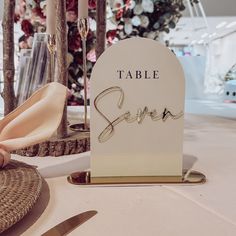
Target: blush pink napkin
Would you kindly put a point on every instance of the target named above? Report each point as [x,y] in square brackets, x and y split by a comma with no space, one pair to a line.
[33,122]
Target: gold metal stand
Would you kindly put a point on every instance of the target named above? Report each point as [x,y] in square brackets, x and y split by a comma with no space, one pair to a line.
[188,177]
[83,26]
[52,49]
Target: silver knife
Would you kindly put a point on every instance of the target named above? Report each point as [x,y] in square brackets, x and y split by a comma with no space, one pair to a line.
[70,224]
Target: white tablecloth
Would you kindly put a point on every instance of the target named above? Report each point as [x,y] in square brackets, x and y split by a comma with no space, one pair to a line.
[167,210]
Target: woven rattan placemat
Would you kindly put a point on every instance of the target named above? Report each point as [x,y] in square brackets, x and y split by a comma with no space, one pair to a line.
[20,186]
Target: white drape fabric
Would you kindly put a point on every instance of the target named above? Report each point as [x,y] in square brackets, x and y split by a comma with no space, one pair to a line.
[220,58]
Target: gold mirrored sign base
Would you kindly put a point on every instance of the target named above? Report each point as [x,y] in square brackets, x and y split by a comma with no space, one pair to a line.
[188,177]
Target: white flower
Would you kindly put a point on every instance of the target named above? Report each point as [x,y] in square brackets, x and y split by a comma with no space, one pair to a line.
[43,4]
[122,35]
[92,24]
[138,9]
[156,25]
[115,40]
[76,94]
[151,35]
[73,85]
[30,41]
[32,3]
[128,27]
[111,25]
[144,21]
[80,80]
[109,12]
[136,21]
[114,3]
[148,6]
[88,91]
[132,4]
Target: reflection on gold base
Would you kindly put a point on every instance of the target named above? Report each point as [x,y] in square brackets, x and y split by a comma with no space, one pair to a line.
[80,127]
[84,178]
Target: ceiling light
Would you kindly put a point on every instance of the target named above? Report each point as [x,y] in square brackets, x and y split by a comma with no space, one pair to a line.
[193,42]
[221,24]
[231,24]
[212,35]
[201,41]
[204,35]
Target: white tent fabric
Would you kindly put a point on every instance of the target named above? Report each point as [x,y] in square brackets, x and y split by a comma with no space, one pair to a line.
[221,57]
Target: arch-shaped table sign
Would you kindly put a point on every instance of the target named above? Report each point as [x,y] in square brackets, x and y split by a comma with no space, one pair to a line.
[137,114]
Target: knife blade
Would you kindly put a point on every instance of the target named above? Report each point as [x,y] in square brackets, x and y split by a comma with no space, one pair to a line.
[70,224]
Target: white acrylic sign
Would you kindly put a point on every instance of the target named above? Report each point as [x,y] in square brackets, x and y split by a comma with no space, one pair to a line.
[137,105]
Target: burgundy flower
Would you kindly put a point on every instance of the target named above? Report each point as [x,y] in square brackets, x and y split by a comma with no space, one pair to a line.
[79,60]
[111,35]
[74,42]
[92,4]
[120,12]
[72,5]
[27,27]
[38,12]
[90,36]
[16,18]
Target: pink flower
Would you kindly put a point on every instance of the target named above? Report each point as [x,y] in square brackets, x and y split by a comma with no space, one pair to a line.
[69,93]
[20,8]
[16,18]
[110,36]
[23,45]
[71,16]
[91,56]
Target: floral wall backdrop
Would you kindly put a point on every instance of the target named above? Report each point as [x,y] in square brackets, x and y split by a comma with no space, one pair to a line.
[125,19]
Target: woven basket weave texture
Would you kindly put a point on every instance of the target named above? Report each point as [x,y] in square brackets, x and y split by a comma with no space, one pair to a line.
[20,187]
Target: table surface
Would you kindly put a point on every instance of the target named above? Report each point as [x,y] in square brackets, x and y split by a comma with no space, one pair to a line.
[163,210]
